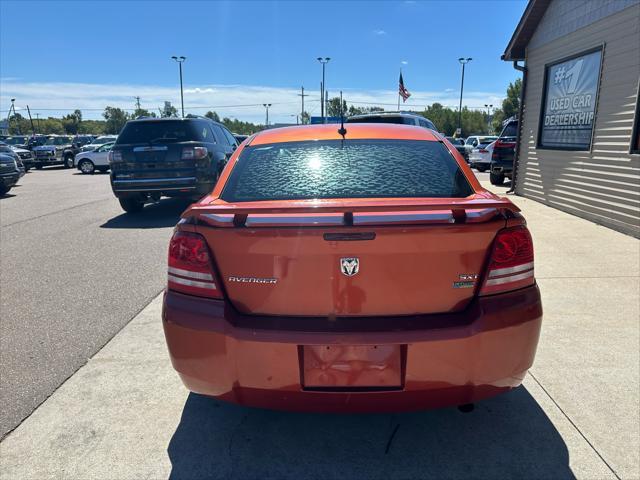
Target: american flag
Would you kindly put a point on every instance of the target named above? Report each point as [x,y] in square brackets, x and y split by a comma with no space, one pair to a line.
[404,93]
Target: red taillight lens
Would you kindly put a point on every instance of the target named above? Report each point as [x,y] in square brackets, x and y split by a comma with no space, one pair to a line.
[115,156]
[190,267]
[482,150]
[194,153]
[511,262]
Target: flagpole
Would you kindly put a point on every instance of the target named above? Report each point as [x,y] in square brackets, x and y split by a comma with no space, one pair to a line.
[399,92]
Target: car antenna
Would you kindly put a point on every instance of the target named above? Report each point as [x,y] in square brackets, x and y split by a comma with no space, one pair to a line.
[342,131]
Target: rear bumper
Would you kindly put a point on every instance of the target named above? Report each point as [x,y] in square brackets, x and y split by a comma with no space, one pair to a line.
[447,360]
[165,186]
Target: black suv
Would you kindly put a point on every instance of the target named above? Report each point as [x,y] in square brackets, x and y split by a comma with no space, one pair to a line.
[503,151]
[170,157]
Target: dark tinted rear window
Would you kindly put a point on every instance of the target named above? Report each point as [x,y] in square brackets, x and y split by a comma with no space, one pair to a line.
[510,130]
[165,131]
[353,169]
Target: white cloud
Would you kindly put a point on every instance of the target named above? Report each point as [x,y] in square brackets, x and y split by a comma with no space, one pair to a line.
[404,62]
[237,101]
[379,32]
[449,90]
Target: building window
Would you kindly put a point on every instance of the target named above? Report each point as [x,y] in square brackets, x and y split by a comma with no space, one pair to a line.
[570,97]
[635,136]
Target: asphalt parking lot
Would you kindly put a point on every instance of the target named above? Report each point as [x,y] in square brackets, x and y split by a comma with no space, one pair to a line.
[125,414]
[75,270]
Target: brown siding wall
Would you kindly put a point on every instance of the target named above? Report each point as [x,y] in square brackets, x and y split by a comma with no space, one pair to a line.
[602,185]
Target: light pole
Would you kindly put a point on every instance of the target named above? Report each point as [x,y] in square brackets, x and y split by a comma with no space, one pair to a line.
[180,60]
[463,61]
[488,107]
[266,105]
[323,61]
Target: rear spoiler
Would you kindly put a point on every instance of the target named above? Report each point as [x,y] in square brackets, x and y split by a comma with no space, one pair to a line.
[301,213]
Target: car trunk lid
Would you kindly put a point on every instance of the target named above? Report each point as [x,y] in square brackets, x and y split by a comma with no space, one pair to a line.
[351,259]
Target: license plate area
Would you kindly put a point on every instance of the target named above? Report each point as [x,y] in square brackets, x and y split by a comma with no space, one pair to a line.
[352,367]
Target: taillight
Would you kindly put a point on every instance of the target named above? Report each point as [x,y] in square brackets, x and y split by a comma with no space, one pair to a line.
[482,150]
[190,267]
[115,156]
[194,153]
[511,262]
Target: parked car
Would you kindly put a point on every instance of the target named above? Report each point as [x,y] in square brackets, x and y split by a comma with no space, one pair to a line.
[98,159]
[9,172]
[57,150]
[316,277]
[97,142]
[16,141]
[458,143]
[36,141]
[23,157]
[480,157]
[240,138]
[156,157]
[393,117]
[474,140]
[503,153]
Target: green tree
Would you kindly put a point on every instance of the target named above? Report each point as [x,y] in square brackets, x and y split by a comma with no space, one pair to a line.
[142,112]
[333,107]
[305,118]
[169,111]
[71,122]
[213,116]
[115,119]
[510,105]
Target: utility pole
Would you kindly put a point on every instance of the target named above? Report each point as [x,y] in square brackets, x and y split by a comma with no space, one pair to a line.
[31,120]
[323,99]
[302,95]
[463,61]
[266,105]
[180,60]
[137,103]
[38,122]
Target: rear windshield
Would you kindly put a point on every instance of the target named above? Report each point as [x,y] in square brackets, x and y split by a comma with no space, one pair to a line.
[383,119]
[349,169]
[164,131]
[511,130]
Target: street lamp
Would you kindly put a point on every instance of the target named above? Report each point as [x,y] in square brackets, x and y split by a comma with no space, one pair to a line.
[180,60]
[463,61]
[266,105]
[488,107]
[323,61]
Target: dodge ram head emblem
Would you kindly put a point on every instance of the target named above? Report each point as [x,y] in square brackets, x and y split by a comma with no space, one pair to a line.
[350,266]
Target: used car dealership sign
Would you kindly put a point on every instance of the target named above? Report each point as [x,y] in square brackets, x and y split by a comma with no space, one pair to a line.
[571,88]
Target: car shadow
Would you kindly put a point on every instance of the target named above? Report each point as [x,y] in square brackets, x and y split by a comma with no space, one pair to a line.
[97,172]
[509,436]
[162,214]
[6,195]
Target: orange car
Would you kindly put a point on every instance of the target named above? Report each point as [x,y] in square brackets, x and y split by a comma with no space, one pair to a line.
[361,272]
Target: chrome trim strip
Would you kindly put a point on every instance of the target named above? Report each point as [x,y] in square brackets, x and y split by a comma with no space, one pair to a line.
[156,180]
[151,149]
[509,279]
[188,273]
[257,221]
[192,283]
[228,218]
[504,271]
[360,219]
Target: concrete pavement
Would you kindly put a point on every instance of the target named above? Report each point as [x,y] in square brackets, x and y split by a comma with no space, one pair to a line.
[126,415]
[75,270]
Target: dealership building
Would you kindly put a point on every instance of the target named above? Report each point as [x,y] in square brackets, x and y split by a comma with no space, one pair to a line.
[578,145]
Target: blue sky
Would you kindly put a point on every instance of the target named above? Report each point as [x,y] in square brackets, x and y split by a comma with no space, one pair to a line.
[86,55]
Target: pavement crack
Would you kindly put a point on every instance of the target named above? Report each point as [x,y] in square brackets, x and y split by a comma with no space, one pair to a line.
[575,426]
[391,437]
